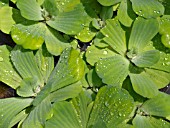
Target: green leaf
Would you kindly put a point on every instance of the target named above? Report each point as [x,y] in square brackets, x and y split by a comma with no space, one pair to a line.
[108,2]
[38,115]
[69,22]
[146,59]
[25,63]
[10,107]
[67,92]
[166,40]
[55,43]
[143,31]
[86,35]
[4,3]
[112,106]
[166,5]
[106,13]
[30,9]
[164,24]
[148,8]
[8,74]
[157,106]
[142,122]
[143,85]
[125,13]
[93,54]
[93,79]
[113,69]
[149,122]
[45,62]
[160,78]
[6,21]
[30,35]
[28,87]
[73,114]
[115,36]
[69,70]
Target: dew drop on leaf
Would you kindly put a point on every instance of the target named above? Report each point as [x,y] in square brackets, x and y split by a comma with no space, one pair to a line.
[1,59]
[106,104]
[105,52]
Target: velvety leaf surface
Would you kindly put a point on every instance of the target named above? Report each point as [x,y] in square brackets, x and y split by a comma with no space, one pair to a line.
[112,106]
[93,54]
[29,34]
[108,2]
[25,63]
[143,31]
[69,22]
[143,85]
[30,9]
[38,115]
[148,8]
[158,105]
[125,13]
[106,13]
[11,107]
[6,21]
[115,36]
[146,59]
[45,62]
[113,69]
[8,74]
[55,43]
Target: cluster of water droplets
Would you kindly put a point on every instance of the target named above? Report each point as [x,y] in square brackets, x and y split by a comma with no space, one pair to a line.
[142,14]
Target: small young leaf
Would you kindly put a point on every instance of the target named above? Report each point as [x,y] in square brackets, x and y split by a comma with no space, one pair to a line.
[30,9]
[112,106]
[158,105]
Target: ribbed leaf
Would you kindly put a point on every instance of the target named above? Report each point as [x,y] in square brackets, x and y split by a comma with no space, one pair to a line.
[72,114]
[4,3]
[55,43]
[148,8]
[108,2]
[38,115]
[6,21]
[112,106]
[30,35]
[69,22]
[115,36]
[125,13]
[8,74]
[143,31]
[158,106]
[30,9]
[69,70]
[149,122]
[45,62]
[11,107]
[93,54]
[143,85]
[67,92]
[146,59]
[106,13]
[160,78]
[113,70]
[25,63]
[28,87]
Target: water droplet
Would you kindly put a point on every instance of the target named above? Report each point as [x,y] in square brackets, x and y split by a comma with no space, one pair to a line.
[166,58]
[1,59]
[107,35]
[163,64]
[158,12]
[62,3]
[111,114]
[89,51]
[120,114]
[140,11]
[2,115]
[105,52]
[154,11]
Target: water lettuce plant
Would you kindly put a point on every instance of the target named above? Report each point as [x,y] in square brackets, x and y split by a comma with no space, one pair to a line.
[114,59]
